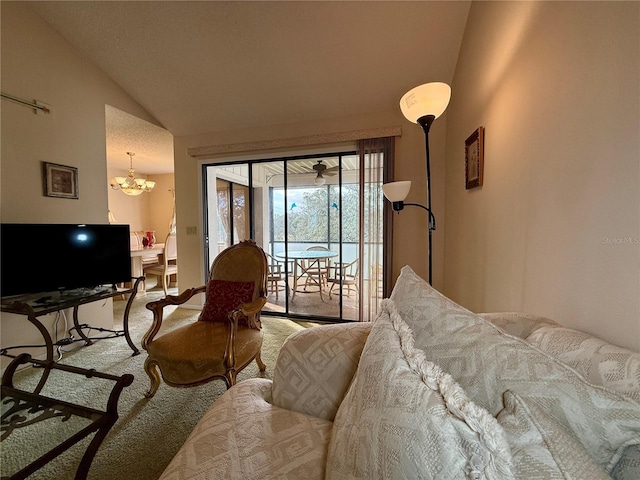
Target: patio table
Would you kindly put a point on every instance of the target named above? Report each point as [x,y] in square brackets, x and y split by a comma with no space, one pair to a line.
[299,256]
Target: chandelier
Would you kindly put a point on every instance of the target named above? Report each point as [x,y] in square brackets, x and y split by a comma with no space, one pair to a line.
[130,184]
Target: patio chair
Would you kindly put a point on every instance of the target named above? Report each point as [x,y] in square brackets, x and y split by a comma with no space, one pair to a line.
[316,270]
[276,276]
[344,275]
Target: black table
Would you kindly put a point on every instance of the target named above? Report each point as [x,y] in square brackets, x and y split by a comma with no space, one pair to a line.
[37,305]
[22,409]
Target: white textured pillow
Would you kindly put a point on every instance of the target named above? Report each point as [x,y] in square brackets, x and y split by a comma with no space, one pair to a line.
[541,448]
[600,362]
[403,417]
[518,324]
[487,362]
[315,367]
[628,468]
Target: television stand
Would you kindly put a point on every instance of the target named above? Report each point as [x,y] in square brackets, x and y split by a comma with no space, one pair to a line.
[34,306]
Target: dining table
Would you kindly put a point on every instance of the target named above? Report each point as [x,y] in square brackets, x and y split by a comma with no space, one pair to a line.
[303,260]
[136,259]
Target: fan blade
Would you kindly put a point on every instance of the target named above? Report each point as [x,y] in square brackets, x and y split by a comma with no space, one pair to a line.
[331,170]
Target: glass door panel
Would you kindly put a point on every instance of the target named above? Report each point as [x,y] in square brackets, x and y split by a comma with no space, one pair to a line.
[223,218]
[308,243]
[269,214]
[241,227]
[345,238]
[226,208]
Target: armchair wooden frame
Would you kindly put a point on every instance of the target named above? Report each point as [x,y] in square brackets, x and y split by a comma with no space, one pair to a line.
[232,362]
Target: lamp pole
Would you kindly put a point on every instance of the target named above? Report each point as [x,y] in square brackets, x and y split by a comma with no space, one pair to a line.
[425,122]
[422,105]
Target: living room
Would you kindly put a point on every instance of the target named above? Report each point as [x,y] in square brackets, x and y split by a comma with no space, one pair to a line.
[555,228]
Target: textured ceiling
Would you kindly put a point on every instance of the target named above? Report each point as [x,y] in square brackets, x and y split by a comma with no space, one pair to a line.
[213,66]
[152,145]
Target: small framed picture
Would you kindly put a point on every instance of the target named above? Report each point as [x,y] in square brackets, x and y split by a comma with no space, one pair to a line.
[60,180]
[474,158]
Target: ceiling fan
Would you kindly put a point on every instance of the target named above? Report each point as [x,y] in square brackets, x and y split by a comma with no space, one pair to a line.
[322,170]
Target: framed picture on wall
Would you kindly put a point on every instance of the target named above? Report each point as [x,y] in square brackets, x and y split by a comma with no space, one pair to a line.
[474,158]
[60,180]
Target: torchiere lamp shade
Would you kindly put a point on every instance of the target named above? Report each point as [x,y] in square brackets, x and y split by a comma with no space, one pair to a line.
[427,99]
[396,191]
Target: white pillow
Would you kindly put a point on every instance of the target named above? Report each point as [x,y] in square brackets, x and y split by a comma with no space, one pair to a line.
[403,417]
[487,362]
[542,448]
[600,362]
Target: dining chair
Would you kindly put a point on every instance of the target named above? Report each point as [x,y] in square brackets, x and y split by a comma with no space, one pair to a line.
[169,265]
[135,241]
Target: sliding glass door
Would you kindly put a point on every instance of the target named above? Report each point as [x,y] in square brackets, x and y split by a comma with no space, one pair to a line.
[314,217]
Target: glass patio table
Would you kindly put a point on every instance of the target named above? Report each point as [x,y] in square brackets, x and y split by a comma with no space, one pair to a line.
[300,268]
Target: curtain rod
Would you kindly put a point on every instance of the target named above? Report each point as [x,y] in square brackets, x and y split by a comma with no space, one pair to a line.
[309,140]
[39,106]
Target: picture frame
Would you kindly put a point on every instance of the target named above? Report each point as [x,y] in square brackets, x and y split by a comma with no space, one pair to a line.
[474,159]
[60,180]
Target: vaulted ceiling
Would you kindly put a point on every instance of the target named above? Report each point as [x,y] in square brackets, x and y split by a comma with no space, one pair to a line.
[208,66]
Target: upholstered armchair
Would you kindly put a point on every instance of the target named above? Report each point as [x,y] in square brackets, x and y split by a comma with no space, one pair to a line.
[227,335]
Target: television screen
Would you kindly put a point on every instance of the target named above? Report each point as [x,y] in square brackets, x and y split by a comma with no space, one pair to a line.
[38,258]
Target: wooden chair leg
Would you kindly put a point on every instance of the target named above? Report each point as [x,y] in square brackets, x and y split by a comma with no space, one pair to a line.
[260,363]
[154,377]
[230,378]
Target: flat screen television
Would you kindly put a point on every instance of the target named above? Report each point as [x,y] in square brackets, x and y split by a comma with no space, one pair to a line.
[38,258]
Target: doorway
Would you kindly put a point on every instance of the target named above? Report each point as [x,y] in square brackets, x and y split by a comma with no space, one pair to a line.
[319,220]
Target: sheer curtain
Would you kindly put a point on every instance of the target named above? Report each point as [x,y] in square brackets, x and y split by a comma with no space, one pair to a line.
[224,238]
[376,167]
[172,222]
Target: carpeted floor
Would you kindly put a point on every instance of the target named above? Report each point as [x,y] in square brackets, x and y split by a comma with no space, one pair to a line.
[149,431]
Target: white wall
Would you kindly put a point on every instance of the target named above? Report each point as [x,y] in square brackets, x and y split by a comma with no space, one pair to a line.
[555,228]
[39,64]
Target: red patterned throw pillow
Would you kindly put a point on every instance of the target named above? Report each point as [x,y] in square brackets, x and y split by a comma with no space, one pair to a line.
[222,297]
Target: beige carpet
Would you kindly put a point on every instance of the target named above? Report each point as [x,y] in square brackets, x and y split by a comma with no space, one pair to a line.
[149,431]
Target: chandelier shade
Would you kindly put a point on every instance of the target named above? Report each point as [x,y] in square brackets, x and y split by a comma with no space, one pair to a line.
[130,185]
[427,99]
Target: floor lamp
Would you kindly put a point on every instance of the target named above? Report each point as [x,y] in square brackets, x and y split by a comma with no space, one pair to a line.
[421,105]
